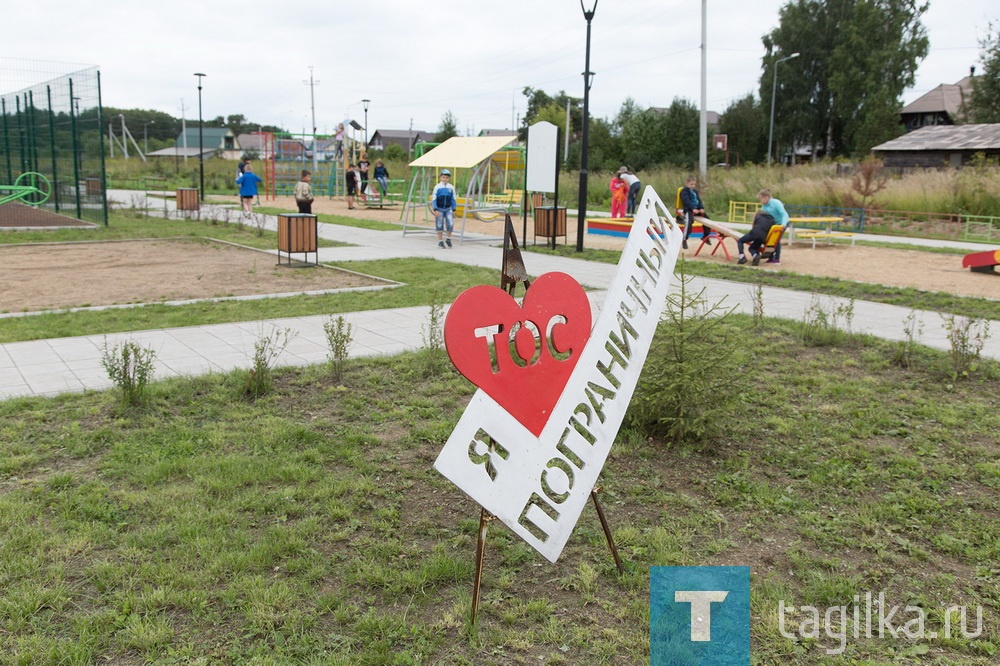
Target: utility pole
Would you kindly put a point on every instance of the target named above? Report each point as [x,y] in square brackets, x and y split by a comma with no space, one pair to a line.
[312,103]
[703,122]
[184,133]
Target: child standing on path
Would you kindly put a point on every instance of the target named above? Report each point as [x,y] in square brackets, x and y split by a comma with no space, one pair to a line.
[619,194]
[304,193]
[444,203]
[248,187]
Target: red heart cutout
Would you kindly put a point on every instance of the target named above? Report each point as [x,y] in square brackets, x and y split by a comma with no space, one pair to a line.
[525,365]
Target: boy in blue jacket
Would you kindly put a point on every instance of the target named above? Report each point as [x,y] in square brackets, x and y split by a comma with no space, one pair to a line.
[444,203]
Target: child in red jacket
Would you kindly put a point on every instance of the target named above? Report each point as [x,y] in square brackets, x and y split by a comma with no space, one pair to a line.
[619,195]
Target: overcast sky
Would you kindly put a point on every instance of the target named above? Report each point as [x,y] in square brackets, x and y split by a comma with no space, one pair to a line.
[415,60]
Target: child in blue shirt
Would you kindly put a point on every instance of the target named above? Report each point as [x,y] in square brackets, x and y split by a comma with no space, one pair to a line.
[775,209]
[248,187]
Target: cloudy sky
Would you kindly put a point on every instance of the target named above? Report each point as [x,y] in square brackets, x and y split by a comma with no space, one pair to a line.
[415,59]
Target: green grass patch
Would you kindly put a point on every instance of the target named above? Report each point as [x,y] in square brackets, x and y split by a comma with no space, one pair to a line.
[309,526]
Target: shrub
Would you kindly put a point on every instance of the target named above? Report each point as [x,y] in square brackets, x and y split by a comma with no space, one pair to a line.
[257,381]
[130,367]
[339,335]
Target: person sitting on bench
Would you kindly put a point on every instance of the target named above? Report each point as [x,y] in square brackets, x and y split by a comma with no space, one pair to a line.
[756,237]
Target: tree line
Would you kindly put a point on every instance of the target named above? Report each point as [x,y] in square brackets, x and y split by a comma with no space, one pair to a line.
[839,97]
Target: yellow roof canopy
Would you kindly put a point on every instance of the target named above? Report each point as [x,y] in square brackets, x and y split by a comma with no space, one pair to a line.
[462,152]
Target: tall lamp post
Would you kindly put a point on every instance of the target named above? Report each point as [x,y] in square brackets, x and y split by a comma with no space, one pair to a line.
[365,102]
[587,74]
[774,90]
[201,139]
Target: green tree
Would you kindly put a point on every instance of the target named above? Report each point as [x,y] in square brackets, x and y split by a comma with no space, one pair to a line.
[554,114]
[745,124]
[679,126]
[984,106]
[842,95]
[448,128]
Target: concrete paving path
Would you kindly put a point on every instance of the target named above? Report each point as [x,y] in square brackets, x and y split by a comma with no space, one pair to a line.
[54,366]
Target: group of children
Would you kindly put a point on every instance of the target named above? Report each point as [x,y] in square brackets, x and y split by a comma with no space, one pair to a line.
[770,213]
[625,185]
[356,179]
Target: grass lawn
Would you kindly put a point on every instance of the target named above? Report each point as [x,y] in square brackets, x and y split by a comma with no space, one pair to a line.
[310,527]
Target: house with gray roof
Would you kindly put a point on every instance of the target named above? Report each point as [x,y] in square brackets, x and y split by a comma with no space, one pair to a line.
[405,139]
[941,146]
[212,139]
[945,105]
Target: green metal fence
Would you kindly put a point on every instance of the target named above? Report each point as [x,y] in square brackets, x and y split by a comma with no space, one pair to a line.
[50,123]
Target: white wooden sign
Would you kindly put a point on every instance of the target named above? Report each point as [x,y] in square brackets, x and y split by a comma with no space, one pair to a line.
[543,150]
[537,480]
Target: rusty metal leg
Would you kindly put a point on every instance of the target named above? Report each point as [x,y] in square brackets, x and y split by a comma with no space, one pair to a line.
[484,519]
[607,530]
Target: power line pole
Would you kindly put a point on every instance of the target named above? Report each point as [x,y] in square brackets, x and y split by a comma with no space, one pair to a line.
[312,102]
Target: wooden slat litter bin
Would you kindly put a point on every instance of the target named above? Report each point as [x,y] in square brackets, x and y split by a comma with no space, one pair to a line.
[550,221]
[93,186]
[187,198]
[297,232]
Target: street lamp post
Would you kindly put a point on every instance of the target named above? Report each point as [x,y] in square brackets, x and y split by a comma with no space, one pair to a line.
[365,102]
[587,74]
[201,139]
[774,90]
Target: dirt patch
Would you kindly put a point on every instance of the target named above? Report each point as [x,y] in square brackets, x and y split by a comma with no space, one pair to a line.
[14,214]
[39,277]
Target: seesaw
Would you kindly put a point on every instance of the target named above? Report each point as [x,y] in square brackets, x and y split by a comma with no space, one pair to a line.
[30,187]
[982,262]
[721,233]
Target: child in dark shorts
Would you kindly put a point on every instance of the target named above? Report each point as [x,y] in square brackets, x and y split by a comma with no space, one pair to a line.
[351,178]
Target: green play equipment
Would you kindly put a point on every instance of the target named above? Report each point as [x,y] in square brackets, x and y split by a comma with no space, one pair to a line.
[30,187]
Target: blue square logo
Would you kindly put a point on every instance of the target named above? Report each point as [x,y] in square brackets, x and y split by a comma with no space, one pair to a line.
[699,616]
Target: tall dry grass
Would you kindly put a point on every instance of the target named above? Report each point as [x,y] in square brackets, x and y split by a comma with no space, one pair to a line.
[973,190]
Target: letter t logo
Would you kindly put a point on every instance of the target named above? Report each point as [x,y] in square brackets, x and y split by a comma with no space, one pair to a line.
[701,610]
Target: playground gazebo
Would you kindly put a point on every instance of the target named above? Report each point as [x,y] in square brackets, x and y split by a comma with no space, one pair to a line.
[485,180]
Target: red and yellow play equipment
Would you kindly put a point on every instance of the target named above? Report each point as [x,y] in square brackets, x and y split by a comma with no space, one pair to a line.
[982,262]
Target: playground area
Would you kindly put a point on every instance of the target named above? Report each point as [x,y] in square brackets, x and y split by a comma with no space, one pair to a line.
[40,277]
[926,271]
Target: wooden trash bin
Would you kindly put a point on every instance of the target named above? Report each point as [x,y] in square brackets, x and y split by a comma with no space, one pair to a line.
[297,232]
[93,186]
[550,221]
[187,199]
